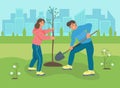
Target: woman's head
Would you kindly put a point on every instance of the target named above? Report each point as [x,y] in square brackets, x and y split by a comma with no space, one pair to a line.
[40,22]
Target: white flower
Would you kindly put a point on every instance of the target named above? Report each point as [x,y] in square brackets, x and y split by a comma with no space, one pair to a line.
[108,54]
[104,50]
[14,66]
[101,63]
[19,73]
[11,73]
[112,64]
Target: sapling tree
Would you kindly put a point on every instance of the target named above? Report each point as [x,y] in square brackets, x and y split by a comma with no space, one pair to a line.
[107,63]
[53,12]
[15,73]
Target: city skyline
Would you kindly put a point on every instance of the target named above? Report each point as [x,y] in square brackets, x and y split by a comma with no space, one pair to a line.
[20,20]
[74,6]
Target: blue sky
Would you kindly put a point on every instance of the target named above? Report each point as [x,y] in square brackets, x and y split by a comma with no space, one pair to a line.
[75,6]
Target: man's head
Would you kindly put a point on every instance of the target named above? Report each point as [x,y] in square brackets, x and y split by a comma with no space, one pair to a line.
[72,24]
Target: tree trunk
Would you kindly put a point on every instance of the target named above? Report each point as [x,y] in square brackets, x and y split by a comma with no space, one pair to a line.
[53,35]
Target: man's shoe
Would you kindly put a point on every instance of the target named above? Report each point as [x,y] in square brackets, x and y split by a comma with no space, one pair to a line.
[89,73]
[40,73]
[67,67]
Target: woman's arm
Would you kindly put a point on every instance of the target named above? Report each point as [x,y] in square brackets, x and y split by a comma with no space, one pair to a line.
[48,31]
[43,37]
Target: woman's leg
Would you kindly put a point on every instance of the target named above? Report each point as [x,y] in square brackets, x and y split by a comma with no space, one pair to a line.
[34,56]
[39,55]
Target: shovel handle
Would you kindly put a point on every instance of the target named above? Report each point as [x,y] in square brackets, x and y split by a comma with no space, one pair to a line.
[80,42]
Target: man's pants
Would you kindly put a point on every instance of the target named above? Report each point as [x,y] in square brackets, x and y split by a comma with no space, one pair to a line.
[89,49]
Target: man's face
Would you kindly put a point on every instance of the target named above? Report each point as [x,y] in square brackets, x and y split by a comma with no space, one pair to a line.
[73,26]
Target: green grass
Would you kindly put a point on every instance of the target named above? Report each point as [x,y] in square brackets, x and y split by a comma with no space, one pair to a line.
[25,50]
[56,77]
[62,39]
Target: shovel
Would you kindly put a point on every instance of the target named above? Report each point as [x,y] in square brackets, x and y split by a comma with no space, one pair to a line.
[59,56]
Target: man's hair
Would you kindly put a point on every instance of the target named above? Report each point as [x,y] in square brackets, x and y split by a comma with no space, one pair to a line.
[70,22]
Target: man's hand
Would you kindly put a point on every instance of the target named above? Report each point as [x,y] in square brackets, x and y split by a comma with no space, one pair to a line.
[71,47]
[52,38]
[88,35]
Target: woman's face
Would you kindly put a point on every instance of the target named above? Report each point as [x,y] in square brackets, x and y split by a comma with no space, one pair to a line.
[41,23]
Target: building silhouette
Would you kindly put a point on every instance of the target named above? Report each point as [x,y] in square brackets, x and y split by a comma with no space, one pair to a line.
[97,20]
[19,20]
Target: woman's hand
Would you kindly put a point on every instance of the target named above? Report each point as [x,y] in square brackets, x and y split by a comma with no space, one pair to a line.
[52,38]
[52,29]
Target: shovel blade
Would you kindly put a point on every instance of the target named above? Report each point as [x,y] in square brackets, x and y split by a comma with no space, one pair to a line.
[59,56]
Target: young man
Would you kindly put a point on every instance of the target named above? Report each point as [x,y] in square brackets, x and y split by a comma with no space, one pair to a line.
[81,32]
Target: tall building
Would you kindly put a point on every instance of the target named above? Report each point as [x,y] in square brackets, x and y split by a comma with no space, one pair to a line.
[64,13]
[80,18]
[41,15]
[19,21]
[8,27]
[97,20]
[30,22]
[112,19]
[57,26]
[15,24]
[66,29]
[104,27]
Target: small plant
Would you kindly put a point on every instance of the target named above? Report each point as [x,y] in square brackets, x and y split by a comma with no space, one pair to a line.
[107,63]
[15,73]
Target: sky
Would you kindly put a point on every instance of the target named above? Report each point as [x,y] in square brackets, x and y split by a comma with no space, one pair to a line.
[9,6]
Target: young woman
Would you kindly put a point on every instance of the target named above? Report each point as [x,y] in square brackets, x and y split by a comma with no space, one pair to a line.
[39,36]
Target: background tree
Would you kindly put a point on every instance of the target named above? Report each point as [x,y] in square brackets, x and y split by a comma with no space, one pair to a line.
[61,31]
[104,35]
[53,13]
[17,35]
[24,32]
[13,34]
[115,33]
[69,33]
[110,31]
[98,33]
[2,33]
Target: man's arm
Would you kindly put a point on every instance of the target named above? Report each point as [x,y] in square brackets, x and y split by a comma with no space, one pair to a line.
[88,27]
[72,42]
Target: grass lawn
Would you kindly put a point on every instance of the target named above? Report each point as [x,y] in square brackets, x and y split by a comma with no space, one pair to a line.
[58,39]
[25,50]
[56,77]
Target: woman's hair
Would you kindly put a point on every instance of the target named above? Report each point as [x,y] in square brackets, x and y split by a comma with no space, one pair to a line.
[37,25]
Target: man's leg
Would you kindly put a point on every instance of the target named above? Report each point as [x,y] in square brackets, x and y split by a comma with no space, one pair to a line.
[71,56]
[72,53]
[90,51]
